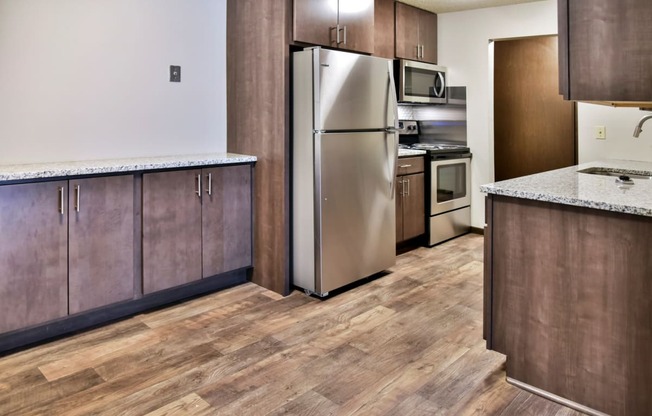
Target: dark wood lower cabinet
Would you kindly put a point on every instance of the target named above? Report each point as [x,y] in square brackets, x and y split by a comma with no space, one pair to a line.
[226,220]
[101,241]
[72,251]
[171,229]
[196,223]
[410,199]
[570,301]
[33,254]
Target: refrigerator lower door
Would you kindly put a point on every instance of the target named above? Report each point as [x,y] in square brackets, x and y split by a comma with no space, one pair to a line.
[355,206]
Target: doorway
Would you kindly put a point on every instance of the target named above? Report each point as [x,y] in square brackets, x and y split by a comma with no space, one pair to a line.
[534,127]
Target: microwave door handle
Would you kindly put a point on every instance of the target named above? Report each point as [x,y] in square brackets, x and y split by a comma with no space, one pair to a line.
[440,92]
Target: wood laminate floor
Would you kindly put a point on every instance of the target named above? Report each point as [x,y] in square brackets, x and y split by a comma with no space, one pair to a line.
[408,343]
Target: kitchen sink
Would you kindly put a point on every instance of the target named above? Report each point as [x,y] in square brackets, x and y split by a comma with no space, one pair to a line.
[616,173]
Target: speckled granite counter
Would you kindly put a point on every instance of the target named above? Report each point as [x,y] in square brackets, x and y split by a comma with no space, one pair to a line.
[410,152]
[94,167]
[567,186]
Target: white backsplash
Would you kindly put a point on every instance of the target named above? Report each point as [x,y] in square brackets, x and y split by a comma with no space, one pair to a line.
[431,112]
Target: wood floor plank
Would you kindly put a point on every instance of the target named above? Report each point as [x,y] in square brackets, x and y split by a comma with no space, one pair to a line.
[404,343]
[191,404]
[308,404]
[27,401]
[104,397]
[62,348]
[211,303]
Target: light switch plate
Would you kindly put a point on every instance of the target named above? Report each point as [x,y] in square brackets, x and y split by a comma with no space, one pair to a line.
[175,73]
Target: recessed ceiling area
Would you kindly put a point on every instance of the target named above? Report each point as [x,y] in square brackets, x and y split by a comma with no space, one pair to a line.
[446,6]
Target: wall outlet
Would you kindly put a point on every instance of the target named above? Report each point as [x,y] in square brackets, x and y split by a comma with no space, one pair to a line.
[175,73]
[600,133]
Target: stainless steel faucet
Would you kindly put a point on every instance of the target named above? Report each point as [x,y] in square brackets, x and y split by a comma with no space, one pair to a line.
[639,126]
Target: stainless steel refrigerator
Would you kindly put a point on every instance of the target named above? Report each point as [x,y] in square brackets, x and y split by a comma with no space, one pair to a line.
[345,149]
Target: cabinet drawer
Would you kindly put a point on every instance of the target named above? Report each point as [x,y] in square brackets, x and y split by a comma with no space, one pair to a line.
[409,165]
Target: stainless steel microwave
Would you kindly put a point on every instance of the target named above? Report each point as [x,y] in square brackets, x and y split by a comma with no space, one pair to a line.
[419,82]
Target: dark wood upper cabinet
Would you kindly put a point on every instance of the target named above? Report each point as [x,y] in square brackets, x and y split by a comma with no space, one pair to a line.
[428,36]
[416,34]
[33,254]
[315,22]
[605,50]
[101,241]
[345,24]
[384,28]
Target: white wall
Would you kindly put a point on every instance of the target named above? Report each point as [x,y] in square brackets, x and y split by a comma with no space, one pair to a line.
[463,42]
[88,79]
[620,143]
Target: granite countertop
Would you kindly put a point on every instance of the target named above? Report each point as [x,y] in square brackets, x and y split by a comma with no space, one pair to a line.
[567,186]
[93,167]
[410,152]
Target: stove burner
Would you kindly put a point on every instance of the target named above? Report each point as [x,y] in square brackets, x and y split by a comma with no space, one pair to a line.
[436,146]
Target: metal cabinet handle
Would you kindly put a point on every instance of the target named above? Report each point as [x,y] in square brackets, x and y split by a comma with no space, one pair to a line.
[405,166]
[77,192]
[336,28]
[408,188]
[61,206]
[209,187]
[198,190]
[344,35]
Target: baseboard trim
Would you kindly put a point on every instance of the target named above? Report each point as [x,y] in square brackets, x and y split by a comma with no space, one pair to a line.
[553,397]
[477,230]
[13,341]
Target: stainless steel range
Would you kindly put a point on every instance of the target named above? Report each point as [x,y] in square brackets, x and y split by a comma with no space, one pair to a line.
[449,181]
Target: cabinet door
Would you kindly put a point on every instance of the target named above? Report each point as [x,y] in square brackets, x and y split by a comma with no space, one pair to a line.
[606,50]
[315,21]
[399,208]
[407,31]
[226,219]
[384,28]
[101,241]
[171,229]
[356,19]
[428,36]
[414,215]
[33,254]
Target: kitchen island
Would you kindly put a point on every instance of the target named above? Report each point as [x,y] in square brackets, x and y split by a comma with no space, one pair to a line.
[568,285]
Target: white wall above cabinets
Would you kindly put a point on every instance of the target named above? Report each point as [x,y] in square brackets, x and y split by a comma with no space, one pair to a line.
[90,79]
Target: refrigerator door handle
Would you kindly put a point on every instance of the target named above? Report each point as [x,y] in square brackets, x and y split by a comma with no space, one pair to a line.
[392,100]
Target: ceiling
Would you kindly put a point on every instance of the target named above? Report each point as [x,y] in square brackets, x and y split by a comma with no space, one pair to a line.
[445,6]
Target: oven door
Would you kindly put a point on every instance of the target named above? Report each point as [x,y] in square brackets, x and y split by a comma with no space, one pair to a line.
[450,186]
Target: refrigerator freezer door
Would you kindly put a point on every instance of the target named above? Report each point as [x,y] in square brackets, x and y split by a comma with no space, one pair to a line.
[353,92]
[357,231]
